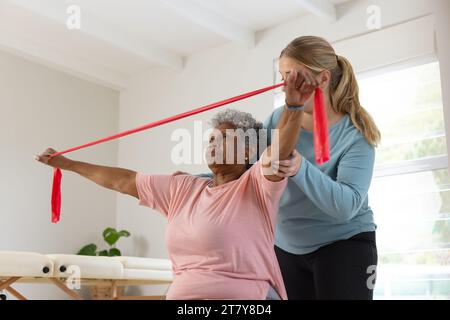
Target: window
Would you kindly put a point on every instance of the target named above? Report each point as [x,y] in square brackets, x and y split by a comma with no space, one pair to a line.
[407,106]
[410,192]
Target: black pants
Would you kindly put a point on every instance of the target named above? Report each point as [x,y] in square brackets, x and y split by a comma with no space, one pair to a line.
[341,270]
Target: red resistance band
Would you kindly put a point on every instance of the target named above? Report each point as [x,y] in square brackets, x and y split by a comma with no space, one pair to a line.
[321,145]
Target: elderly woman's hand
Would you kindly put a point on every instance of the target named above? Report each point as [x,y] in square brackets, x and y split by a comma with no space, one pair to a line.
[300,85]
[289,167]
[55,162]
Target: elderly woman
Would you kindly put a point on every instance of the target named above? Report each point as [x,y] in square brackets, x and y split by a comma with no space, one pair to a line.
[220,233]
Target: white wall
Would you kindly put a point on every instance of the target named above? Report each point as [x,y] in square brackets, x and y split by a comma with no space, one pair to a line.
[227,71]
[39,108]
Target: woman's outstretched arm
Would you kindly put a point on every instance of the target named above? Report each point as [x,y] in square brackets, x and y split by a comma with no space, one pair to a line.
[117,179]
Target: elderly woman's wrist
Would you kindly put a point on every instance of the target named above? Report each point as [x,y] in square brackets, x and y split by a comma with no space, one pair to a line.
[64,164]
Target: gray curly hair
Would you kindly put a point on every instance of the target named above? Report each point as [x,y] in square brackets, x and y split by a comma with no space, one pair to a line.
[244,121]
[239,119]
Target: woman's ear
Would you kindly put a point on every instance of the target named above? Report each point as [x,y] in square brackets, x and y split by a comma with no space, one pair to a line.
[324,79]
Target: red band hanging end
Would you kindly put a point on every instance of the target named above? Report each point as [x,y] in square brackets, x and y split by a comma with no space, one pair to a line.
[321,138]
[56,195]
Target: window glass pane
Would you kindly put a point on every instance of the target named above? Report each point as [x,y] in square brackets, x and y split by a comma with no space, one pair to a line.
[407,107]
[412,212]
[416,149]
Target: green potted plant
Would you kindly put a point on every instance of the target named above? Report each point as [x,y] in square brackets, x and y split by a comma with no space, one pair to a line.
[111,236]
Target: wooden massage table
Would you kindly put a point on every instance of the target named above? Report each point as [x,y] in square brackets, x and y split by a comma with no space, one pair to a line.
[66,271]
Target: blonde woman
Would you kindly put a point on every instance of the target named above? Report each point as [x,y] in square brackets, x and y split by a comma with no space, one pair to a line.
[325,235]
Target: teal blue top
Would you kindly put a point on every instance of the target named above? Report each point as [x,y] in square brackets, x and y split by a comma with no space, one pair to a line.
[324,204]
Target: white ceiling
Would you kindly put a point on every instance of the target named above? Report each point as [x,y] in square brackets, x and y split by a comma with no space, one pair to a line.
[119,38]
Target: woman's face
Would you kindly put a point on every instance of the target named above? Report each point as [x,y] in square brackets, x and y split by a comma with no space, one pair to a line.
[224,148]
[286,65]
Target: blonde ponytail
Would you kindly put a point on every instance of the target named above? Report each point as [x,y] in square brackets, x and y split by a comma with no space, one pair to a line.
[318,55]
[344,97]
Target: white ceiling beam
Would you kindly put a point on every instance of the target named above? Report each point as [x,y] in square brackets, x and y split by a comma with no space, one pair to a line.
[16,39]
[321,8]
[70,65]
[93,28]
[19,42]
[143,49]
[208,19]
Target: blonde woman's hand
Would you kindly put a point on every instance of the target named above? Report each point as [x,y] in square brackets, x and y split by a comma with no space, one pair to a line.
[289,167]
